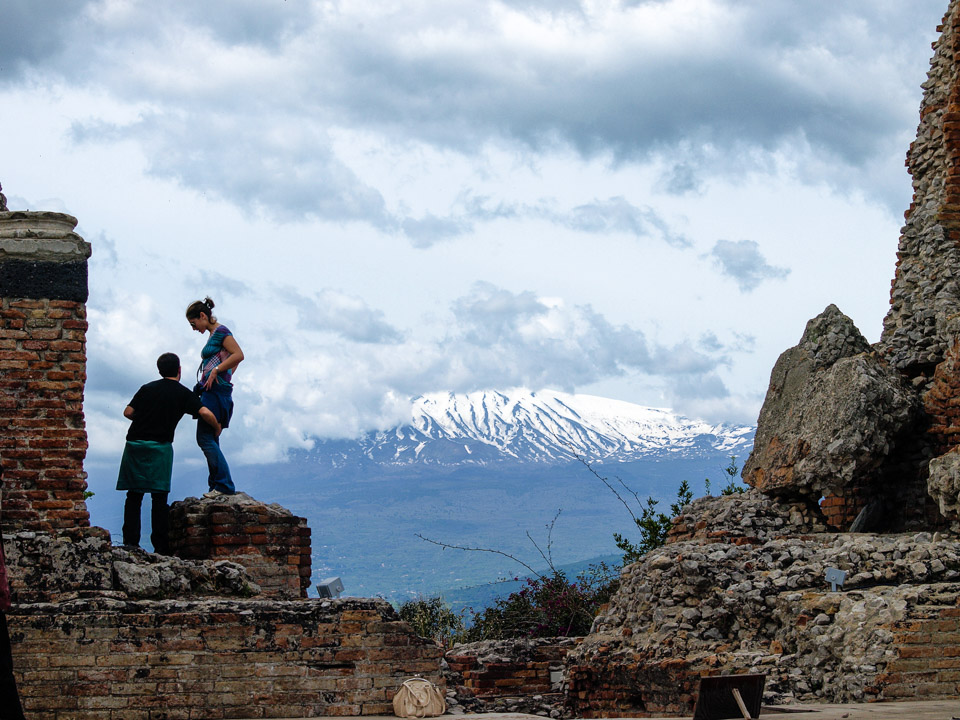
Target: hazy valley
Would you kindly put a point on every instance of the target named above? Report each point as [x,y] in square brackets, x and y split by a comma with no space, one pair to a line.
[479,470]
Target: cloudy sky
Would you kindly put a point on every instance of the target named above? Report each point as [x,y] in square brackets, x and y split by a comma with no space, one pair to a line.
[639,199]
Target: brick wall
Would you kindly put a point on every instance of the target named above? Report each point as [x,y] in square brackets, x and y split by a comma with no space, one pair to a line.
[107,659]
[522,675]
[839,511]
[927,665]
[617,686]
[43,327]
[942,403]
[272,543]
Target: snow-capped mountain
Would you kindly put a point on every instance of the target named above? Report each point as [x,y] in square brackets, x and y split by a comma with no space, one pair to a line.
[547,427]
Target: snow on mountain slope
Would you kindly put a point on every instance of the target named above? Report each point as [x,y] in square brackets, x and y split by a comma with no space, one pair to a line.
[544,427]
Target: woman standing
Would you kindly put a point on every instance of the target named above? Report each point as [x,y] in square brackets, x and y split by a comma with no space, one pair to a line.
[219,358]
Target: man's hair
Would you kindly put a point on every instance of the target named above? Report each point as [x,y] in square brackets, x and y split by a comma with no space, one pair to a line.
[169,365]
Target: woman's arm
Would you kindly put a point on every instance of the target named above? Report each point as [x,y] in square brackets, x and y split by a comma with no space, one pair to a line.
[210,419]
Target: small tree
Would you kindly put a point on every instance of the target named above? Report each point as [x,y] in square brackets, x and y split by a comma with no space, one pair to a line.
[732,472]
[432,618]
[653,526]
[548,605]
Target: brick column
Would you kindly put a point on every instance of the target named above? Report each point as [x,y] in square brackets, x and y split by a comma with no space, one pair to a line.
[269,541]
[43,440]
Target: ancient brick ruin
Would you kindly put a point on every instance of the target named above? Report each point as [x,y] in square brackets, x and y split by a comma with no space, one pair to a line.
[856,466]
[43,275]
[271,543]
[100,632]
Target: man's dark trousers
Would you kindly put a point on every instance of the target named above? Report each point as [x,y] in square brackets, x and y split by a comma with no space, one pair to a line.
[159,521]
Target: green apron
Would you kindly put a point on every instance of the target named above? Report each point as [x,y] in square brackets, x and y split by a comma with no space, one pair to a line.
[146,466]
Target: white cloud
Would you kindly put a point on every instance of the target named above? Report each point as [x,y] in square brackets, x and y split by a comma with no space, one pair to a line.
[344,371]
[243,97]
[392,199]
[347,316]
[743,261]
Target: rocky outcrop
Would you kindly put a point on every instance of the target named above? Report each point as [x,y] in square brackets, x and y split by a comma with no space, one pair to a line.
[747,603]
[54,568]
[832,414]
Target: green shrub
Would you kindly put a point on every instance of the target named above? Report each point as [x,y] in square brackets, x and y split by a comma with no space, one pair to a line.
[547,606]
[733,486]
[653,526]
[432,618]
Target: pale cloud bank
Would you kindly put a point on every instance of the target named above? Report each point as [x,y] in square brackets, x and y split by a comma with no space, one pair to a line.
[388,200]
[240,100]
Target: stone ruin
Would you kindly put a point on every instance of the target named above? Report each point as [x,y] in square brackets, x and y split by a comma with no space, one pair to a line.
[223,629]
[856,466]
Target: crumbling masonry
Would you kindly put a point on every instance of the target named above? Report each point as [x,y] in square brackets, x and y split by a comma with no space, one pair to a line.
[106,633]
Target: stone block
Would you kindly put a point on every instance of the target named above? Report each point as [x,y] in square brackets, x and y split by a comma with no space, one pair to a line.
[832,414]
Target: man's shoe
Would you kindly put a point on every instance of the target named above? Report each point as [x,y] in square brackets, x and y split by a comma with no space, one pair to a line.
[213,494]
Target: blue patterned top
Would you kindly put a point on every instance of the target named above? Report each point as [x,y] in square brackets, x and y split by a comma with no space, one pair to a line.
[213,354]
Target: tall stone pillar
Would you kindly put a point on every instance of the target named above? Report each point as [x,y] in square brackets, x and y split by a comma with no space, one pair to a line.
[924,318]
[43,440]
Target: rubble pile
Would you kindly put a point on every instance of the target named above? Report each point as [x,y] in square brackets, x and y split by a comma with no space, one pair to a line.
[750,517]
[700,607]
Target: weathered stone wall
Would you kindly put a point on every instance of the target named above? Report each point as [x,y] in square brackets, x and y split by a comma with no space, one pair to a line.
[754,599]
[272,543]
[925,296]
[51,568]
[749,518]
[107,659]
[520,675]
[43,284]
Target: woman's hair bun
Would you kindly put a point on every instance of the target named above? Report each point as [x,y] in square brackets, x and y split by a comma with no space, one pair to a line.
[208,302]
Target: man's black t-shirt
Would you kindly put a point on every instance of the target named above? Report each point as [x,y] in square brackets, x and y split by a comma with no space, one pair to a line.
[158,407]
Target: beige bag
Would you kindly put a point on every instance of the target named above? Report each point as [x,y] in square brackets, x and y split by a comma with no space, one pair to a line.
[418,698]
